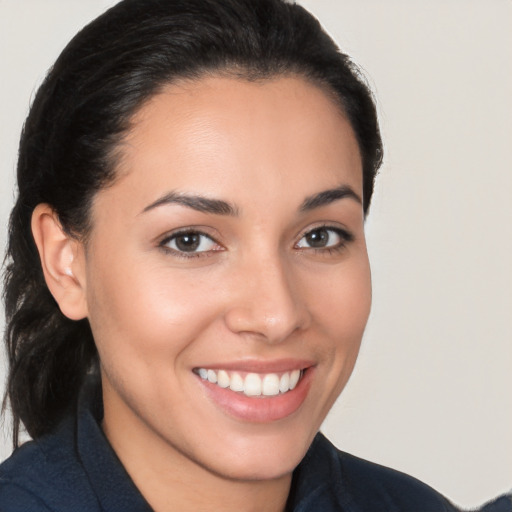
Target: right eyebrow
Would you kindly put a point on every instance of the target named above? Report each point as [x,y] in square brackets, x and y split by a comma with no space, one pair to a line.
[329,196]
[196,202]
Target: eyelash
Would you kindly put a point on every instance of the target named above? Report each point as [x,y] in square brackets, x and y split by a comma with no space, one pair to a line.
[344,235]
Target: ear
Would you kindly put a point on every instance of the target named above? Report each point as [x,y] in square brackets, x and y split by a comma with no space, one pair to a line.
[63,262]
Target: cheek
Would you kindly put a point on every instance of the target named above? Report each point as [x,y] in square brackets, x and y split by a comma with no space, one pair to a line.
[147,316]
[342,307]
[342,301]
[342,304]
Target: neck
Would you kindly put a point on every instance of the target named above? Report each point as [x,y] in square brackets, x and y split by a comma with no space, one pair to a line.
[177,491]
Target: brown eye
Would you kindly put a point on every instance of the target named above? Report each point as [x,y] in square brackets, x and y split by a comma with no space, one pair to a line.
[188,242]
[318,238]
[191,242]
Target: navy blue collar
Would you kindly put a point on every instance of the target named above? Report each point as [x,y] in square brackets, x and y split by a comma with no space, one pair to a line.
[109,480]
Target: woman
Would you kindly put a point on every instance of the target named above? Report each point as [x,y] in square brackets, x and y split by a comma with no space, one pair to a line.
[188,281]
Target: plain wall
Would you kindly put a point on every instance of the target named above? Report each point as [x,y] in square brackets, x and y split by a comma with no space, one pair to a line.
[431,391]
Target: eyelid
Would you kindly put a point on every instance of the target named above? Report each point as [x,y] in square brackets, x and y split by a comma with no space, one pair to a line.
[334,226]
[199,229]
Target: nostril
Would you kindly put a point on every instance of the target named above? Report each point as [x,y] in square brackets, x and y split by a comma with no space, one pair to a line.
[273,327]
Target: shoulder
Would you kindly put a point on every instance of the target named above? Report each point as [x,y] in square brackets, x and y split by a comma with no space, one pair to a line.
[14,498]
[46,475]
[375,484]
[345,482]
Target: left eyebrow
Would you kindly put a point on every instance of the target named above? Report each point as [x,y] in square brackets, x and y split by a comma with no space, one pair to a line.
[195,202]
[329,196]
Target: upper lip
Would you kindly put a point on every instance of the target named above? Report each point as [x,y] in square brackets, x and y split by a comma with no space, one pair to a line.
[261,366]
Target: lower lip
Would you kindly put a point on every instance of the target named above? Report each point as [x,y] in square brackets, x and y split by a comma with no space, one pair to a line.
[260,409]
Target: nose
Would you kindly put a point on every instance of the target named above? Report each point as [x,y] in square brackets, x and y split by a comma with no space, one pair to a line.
[266,301]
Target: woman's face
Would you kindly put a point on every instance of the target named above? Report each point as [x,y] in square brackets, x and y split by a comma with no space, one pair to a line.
[230,249]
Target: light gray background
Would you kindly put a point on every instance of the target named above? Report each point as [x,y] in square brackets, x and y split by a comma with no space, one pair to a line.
[431,391]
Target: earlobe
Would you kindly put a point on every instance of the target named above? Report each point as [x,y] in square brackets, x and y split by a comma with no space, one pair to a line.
[62,261]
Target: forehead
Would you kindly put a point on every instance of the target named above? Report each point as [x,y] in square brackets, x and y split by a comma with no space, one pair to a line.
[228,135]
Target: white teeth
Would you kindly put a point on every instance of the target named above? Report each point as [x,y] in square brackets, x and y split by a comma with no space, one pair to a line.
[223,379]
[294,378]
[284,382]
[254,384]
[270,384]
[237,383]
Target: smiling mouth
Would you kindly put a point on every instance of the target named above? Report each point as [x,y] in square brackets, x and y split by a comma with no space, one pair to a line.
[253,384]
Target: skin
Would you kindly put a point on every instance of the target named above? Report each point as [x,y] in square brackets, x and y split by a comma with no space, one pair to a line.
[258,292]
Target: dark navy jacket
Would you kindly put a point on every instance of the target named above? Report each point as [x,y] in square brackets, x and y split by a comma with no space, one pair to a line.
[74,469]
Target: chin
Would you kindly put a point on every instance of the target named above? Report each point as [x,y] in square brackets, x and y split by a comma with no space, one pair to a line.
[262,457]
[257,469]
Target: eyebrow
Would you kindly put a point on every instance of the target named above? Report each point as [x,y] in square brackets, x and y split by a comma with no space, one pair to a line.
[196,202]
[220,207]
[329,196]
